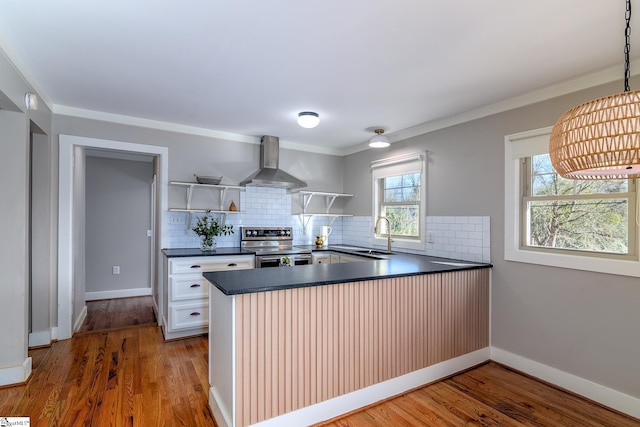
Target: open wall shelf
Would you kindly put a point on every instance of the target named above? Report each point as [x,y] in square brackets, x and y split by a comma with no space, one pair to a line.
[329,199]
[221,189]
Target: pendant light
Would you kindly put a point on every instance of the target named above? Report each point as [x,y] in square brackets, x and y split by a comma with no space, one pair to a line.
[308,119]
[600,139]
[379,141]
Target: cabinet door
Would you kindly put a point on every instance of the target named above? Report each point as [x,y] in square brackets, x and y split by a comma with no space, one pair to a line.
[188,286]
[353,258]
[188,316]
[321,259]
[212,263]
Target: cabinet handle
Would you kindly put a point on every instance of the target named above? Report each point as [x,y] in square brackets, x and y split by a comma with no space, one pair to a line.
[195,285]
[233,264]
[196,266]
[195,313]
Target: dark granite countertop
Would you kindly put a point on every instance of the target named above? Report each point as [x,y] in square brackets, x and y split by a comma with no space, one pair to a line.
[271,279]
[185,252]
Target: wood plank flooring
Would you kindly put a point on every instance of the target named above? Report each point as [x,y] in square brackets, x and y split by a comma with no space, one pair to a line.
[132,377]
[118,313]
[489,395]
[127,377]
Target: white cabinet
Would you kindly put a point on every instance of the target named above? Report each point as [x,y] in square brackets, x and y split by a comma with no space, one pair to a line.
[350,258]
[186,304]
[321,257]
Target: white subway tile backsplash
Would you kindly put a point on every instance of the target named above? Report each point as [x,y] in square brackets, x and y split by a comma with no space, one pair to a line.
[458,237]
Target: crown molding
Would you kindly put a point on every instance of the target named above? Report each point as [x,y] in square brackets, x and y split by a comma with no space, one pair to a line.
[572,85]
[12,59]
[184,129]
[563,88]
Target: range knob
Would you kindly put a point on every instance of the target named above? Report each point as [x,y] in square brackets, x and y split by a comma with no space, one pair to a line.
[247,233]
[288,232]
[254,232]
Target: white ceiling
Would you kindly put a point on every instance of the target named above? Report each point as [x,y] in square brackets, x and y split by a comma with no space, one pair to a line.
[247,67]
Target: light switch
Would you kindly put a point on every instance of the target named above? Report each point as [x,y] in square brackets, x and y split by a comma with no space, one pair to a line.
[115,269]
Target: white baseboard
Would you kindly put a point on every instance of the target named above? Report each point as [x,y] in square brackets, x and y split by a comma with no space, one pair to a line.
[606,396]
[156,311]
[220,414]
[15,374]
[122,293]
[39,338]
[80,320]
[357,399]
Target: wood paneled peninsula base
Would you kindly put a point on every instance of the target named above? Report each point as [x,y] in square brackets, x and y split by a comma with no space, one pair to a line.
[301,355]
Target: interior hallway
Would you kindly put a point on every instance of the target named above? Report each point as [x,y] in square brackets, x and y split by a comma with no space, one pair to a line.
[118,313]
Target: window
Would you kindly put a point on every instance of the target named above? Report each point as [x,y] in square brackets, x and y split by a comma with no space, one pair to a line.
[399,196]
[549,220]
[587,216]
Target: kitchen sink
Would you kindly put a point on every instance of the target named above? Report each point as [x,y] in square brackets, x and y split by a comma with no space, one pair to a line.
[347,248]
[455,264]
[372,252]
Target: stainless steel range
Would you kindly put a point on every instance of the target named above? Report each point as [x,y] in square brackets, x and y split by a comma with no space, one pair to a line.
[273,246]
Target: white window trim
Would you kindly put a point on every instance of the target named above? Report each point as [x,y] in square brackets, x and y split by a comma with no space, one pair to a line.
[527,144]
[413,244]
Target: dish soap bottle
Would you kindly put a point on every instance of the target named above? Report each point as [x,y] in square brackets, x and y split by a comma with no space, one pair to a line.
[232,207]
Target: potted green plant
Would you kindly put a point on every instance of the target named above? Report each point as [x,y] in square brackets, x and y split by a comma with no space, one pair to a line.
[208,227]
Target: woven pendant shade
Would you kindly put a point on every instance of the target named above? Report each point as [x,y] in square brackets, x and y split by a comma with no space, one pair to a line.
[599,139]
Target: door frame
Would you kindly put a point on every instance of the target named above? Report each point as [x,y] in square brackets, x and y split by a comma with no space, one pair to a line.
[67,145]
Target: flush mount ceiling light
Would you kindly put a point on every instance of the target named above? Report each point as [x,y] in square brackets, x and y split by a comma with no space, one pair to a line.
[31,101]
[600,139]
[379,141]
[308,119]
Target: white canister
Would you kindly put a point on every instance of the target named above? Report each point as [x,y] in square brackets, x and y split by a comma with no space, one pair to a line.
[326,231]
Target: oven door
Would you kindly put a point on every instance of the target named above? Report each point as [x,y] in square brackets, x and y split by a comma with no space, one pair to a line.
[301,259]
[264,261]
[267,261]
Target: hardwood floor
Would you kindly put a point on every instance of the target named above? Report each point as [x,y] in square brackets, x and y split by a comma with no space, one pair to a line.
[489,395]
[127,377]
[118,313]
[132,377]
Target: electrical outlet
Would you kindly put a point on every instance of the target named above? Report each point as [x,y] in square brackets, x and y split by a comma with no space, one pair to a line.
[115,269]
[149,233]
[430,237]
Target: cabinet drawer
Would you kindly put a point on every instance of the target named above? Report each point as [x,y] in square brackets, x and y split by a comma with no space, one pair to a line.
[188,286]
[202,264]
[187,316]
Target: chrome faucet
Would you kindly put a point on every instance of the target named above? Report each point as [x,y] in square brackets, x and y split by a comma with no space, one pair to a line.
[375,230]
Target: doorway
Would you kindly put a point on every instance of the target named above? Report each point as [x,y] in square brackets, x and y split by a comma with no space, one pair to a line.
[71,223]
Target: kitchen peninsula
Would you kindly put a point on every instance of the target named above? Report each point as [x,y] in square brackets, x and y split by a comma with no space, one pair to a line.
[295,346]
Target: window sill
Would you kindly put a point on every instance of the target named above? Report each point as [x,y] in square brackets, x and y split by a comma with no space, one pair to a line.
[575,262]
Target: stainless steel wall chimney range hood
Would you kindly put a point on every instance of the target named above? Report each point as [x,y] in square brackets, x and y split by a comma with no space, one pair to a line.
[269,174]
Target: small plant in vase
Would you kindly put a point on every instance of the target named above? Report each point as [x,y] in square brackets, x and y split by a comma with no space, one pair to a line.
[208,227]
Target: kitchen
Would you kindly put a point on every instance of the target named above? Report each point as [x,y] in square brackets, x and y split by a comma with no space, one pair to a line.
[560,324]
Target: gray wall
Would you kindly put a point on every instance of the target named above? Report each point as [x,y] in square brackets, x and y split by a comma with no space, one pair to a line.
[189,154]
[13,228]
[15,122]
[579,322]
[118,215]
